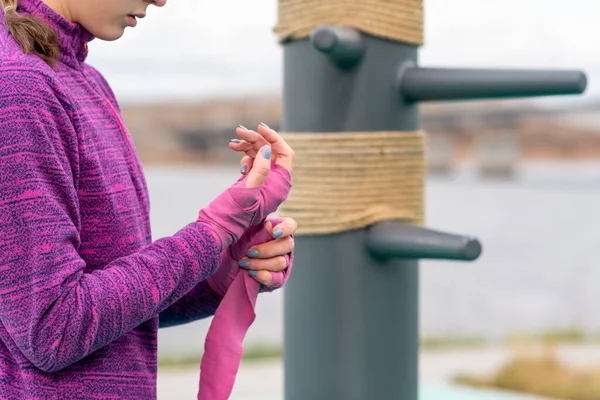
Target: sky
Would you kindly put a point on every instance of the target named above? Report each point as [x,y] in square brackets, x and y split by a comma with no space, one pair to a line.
[195,49]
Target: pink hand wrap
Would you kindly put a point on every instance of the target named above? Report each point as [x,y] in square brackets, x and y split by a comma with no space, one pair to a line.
[239,207]
[230,215]
[228,269]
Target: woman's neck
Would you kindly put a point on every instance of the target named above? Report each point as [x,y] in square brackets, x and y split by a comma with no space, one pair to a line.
[60,7]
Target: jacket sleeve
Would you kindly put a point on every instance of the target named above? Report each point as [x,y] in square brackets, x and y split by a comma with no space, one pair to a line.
[55,312]
[197,304]
[203,301]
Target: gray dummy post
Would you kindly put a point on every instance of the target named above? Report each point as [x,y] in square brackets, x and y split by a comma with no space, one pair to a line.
[351,305]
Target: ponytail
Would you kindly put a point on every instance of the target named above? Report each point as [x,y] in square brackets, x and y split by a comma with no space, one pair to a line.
[31,33]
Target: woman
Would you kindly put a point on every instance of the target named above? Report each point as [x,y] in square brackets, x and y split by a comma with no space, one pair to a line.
[81,282]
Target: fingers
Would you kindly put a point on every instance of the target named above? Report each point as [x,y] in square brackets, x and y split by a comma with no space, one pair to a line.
[270,255]
[264,277]
[272,248]
[286,227]
[250,143]
[260,168]
[246,164]
[242,146]
[284,153]
[274,264]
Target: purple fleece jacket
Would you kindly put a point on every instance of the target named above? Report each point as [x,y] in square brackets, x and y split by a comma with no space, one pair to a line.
[81,282]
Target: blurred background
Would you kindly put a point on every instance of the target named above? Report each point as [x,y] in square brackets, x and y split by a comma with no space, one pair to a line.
[523,176]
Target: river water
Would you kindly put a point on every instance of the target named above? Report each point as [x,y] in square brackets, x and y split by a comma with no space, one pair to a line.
[538,271]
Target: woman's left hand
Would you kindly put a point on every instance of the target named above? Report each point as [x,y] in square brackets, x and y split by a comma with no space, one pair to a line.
[250,142]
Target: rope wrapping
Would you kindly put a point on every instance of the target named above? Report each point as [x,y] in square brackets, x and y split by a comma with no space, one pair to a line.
[400,20]
[345,181]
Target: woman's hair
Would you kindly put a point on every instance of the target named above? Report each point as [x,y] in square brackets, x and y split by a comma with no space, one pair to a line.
[31,33]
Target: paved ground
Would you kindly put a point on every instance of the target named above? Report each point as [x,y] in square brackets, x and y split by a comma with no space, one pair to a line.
[264,380]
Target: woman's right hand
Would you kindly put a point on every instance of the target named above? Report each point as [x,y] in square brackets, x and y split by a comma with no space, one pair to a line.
[254,196]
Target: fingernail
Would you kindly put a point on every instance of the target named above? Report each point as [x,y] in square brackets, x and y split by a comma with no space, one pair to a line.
[266,152]
[242,127]
[253,253]
[252,273]
[244,168]
[235,141]
[277,232]
[244,264]
[265,125]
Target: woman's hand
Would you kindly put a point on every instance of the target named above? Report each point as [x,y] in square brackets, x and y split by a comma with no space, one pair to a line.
[250,142]
[259,193]
[270,256]
[268,261]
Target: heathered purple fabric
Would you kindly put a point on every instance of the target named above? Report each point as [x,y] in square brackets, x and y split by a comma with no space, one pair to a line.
[81,282]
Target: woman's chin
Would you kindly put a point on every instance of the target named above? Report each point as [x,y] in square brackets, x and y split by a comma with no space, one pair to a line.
[109,35]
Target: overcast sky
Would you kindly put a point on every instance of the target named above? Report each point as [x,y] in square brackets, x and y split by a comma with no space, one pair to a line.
[201,48]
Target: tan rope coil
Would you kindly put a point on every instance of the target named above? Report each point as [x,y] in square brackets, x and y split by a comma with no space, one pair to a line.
[400,20]
[345,181]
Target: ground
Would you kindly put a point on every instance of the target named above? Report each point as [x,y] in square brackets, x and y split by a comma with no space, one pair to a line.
[263,380]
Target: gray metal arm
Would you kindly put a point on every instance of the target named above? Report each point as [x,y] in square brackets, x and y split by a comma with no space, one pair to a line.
[345,46]
[397,240]
[426,84]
